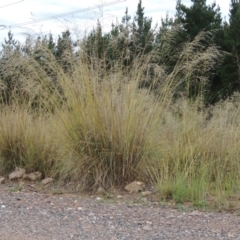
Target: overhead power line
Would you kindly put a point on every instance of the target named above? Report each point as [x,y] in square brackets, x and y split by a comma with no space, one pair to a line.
[11,4]
[66,14]
[2,27]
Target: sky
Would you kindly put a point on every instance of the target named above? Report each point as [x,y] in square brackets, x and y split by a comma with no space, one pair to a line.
[34,17]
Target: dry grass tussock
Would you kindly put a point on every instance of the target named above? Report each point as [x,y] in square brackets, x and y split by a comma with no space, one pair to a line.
[96,127]
[27,141]
[195,155]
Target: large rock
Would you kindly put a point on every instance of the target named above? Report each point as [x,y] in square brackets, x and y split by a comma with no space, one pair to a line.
[34,176]
[135,187]
[18,173]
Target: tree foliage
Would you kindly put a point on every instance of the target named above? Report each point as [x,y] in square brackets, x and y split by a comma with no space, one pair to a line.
[198,17]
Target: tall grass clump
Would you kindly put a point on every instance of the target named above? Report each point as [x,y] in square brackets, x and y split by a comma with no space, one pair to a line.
[97,124]
[108,121]
[27,136]
[111,121]
[27,141]
[186,166]
[101,116]
[197,152]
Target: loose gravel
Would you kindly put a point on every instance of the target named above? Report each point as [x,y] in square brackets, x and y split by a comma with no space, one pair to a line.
[32,215]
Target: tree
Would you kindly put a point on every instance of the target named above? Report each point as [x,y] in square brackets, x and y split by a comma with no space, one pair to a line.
[123,42]
[64,50]
[198,17]
[228,79]
[97,43]
[194,19]
[10,44]
[165,45]
[10,67]
[142,34]
[64,43]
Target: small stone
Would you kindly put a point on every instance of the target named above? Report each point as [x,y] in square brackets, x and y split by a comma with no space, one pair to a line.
[99,199]
[146,193]
[195,213]
[46,181]
[34,176]
[119,196]
[135,187]
[2,180]
[147,228]
[188,204]
[18,173]
[148,222]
